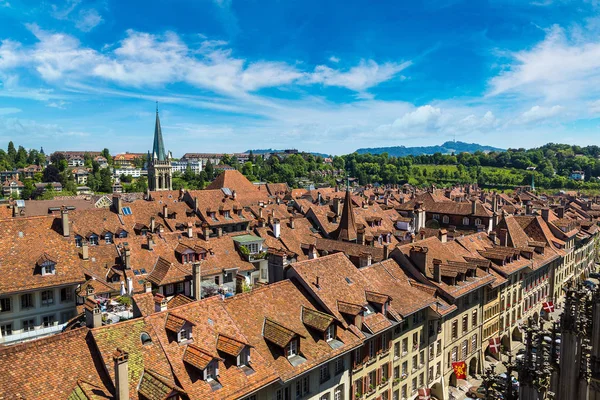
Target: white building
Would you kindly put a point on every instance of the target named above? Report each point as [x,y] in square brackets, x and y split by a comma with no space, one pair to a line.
[133,172]
[182,165]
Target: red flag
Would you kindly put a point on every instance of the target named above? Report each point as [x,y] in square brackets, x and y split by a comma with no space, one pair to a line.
[495,345]
[424,394]
[460,369]
[548,306]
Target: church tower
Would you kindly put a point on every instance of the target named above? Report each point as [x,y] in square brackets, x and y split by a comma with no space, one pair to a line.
[160,172]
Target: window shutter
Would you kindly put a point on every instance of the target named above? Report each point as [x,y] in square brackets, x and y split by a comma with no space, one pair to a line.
[389,371]
[378,375]
[365,384]
[353,391]
[378,344]
[365,350]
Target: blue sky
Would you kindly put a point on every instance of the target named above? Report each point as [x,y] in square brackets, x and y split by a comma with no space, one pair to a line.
[323,76]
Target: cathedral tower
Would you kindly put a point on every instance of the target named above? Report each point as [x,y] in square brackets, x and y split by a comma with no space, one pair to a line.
[160,172]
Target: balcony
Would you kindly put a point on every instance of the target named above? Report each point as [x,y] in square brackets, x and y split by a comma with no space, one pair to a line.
[23,336]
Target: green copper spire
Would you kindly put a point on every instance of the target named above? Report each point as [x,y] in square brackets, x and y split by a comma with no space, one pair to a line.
[158,150]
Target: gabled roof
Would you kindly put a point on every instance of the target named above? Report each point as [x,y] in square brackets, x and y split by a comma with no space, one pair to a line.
[234,180]
[316,319]
[154,386]
[277,333]
[229,345]
[174,323]
[197,357]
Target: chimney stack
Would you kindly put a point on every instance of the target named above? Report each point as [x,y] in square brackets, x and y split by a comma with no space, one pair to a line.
[152,224]
[150,242]
[492,236]
[528,207]
[160,302]
[148,286]
[93,315]
[64,217]
[165,211]
[418,255]
[560,212]
[85,254]
[129,286]
[121,360]
[206,232]
[443,235]
[360,235]
[197,280]
[292,223]
[473,205]
[437,270]
[190,230]
[127,256]
[337,206]
[219,231]
[118,204]
[386,252]
[545,214]
[276,228]
[195,204]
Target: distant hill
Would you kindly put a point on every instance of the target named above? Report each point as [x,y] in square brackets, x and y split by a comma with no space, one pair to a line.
[446,148]
[265,151]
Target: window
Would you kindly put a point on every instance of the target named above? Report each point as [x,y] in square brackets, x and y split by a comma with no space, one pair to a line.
[48,268]
[330,333]
[184,334]
[439,347]
[421,379]
[6,330]
[385,374]
[93,240]
[454,354]
[385,343]
[396,349]
[415,362]
[145,338]
[465,323]
[358,387]
[47,297]
[396,372]
[438,369]
[404,391]
[431,351]
[169,289]
[405,368]
[338,393]
[384,396]
[244,357]
[211,372]
[339,365]
[477,221]
[430,374]
[292,348]
[108,238]
[179,287]
[302,387]
[324,373]
[216,280]
[474,318]
[5,304]
[28,325]
[48,320]
[78,241]
[372,380]
[404,346]
[465,221]
[473,343]
[66,294]
[436,217]
[371,348]
[445,219]
[454,329]
[26,301]
[396,395]
[414,385]
[464,347]
[228,277]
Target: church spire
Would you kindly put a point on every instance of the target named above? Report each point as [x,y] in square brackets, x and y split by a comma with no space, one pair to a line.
[346,231]
[158,149]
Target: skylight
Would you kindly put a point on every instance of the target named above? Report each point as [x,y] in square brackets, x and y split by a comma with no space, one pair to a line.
[348,281]
[127,211]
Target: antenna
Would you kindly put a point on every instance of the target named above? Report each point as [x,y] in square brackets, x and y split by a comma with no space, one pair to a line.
[157,106]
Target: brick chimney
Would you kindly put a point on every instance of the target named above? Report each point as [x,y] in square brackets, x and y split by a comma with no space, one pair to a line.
[93,315]
[437,270]
[64,217]
[197,280]
[418,255]
[117,203]
[85,254]
[443,235]
[386,252]
[160,302]
[121,360]
[528,207]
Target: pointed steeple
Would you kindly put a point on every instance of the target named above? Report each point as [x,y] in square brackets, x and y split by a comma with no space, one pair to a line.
[158,149]
[346,231]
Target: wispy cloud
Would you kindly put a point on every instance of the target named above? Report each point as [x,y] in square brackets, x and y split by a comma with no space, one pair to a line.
[85,20]
[537,113]
[88,20]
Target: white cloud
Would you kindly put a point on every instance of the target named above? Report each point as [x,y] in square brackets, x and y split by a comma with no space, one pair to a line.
[425,117]
[88,20]
[334,59]
[358,78]
[63,13]
[9,110]
[562,67]
[148,60]
[538,113]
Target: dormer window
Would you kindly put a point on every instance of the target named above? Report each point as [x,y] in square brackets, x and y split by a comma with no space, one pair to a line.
[211,372]
[330,333]
[46,265]
[227,214]
[213,216]
[123,234]
[78,241]
[184,334]
[93,240]
[465,221]
[244,357]
[108,238]
[291,349]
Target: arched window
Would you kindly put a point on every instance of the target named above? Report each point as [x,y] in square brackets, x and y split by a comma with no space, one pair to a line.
[465,221]
[145,338]
[477,222]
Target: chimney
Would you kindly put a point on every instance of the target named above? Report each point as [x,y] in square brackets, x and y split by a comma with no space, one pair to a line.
[127,256]
[165,211]
[195,204]
[150,242]
[233,194]
[317,281]
[148,286]
[260,212]
[545,214]
[197,280]
[121,359]
[319,198]
[528,207]
[85,254]
[219,231]
[443,235]
[152,224]
[292,223]
[418,255]
[129,286]
[117,204]
[64,217]
[495,203]
[190,230]
[360,236]
[123,291]
[206,232]
[365,259]
[437,270]
[337,206]
[503,237]
[473,205]
[560,212]
[160,302]
[422,234]
[492,236]
[93,315]
[386,252]
[276,228]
